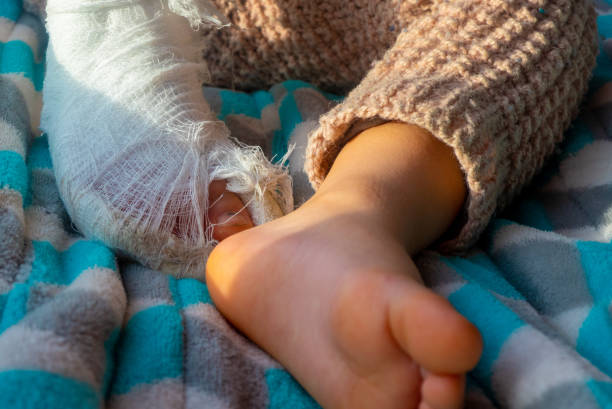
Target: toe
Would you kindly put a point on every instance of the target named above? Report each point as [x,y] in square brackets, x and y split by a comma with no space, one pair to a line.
[433,333]
[226,213]
[443,391]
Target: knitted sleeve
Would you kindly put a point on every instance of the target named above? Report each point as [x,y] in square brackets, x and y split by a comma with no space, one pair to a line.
[497,80]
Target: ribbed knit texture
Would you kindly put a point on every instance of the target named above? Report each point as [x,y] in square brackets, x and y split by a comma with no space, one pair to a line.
[497,80]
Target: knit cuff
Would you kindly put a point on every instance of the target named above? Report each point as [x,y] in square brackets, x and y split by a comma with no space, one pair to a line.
[502,118]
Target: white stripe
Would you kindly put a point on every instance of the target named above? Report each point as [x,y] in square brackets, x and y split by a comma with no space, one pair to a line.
[44,226]
[590,167]
[570,322]
[588,233]
[447,289]
[29,348]
[6,28]
[520,380]
[167,393]
[25,33]
[106,284]
[197,398]
[11,140]
[519,234]
[136,305]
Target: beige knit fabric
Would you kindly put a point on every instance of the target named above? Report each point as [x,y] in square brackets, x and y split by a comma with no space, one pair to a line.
[497,80]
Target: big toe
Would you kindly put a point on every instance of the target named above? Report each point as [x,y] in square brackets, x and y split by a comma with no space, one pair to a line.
[433,333]
[226,213]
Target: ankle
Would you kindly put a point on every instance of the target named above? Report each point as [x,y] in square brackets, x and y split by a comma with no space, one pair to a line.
[399,178]
[360,205]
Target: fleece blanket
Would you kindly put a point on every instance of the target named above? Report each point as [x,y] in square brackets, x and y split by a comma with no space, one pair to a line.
[80,328]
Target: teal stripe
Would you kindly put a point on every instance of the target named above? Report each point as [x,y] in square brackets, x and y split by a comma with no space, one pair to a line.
[488,277]
[13,172]
[47,265]
[285,392]
[28,389]
[16,57]
[62,268]
[11,9]
[234,102]
[495,321]
[150,348]
[188,291]
[16,306]
[604,25]
[262,100]
[292,85]
[3,298]
[595,338]
[578,136]
[531,213]
[602,73]
[290,117]
[596,260]
[602,392]
[86,254]
[38,154]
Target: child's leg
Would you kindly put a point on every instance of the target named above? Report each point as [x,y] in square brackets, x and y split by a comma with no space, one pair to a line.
[133,142]
[330,290]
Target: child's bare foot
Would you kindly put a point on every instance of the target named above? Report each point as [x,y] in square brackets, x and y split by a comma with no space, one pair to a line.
[341,305]
[331,291]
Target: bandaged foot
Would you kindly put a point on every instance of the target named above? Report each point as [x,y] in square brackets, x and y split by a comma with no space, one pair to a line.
[134,144]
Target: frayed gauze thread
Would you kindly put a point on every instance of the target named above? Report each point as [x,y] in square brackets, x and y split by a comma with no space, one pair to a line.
[133,142]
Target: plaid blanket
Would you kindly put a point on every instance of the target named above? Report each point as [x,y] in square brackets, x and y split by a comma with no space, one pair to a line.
[81,329]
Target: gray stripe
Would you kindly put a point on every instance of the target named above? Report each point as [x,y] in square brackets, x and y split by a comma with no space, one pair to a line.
[278,92]
[596,120]
[14,110]
[42,293]
[547,273]
[213,97]
[569,396]
[311,103]
[577,208]
[215,365]
[540,323]
[250,131]
[475,397]
[46,195]
[83,319]
[12,249]
[435,272]
[142,282]
[601,6]
[595,201]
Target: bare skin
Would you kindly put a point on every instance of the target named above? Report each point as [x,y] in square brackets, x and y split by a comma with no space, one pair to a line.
[331,291]
[227,212]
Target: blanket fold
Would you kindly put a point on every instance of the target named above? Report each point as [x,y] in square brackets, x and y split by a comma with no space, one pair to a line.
[78,329]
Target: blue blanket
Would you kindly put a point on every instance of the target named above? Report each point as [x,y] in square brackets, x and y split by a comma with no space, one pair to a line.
[81,329]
